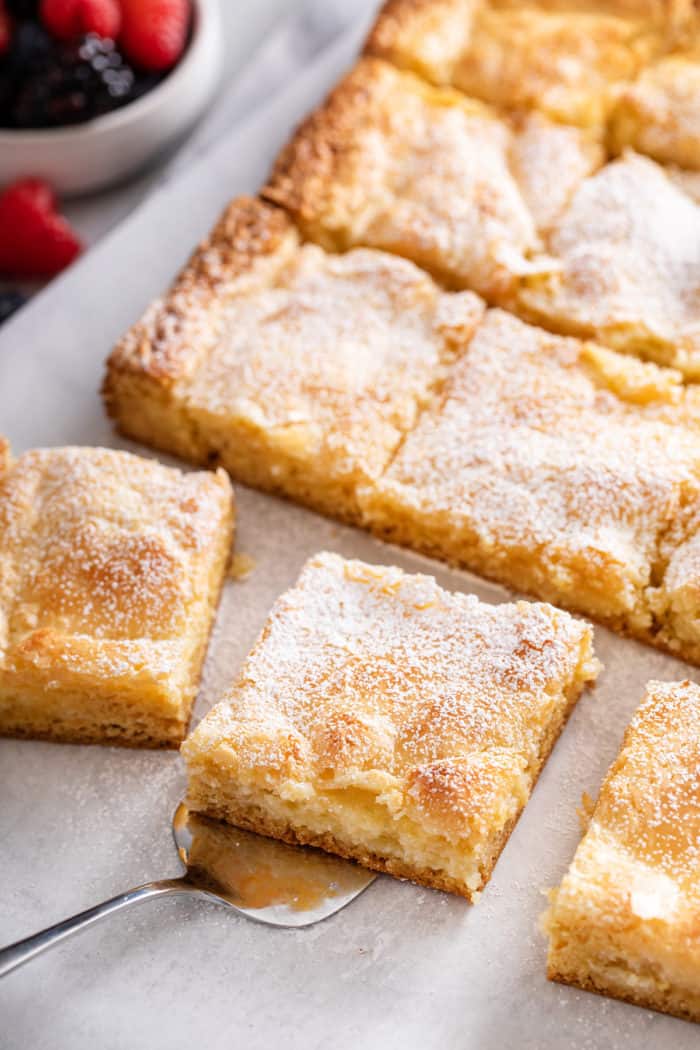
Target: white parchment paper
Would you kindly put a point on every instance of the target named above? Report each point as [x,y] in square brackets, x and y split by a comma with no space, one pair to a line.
[403,968]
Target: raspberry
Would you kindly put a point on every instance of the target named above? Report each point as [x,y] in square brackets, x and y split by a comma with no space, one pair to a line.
[34,192]
[68,19]
[35,241]
[5,30]
[154,32]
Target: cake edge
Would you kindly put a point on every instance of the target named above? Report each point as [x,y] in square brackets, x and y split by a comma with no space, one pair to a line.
[428,877]
[169,733]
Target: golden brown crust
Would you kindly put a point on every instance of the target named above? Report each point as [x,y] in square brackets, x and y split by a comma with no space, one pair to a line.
[624,921]
[110,571]
[380,715]
[424,36]
[392,163]
[313,378]
[163,736]
[564,57]
[664,1001]
[659,113]
[171,338]
[260,822]
[320,174]
[5,458]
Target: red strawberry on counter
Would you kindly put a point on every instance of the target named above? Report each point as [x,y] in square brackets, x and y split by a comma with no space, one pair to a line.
[154,32]
[35,241]
[70,19]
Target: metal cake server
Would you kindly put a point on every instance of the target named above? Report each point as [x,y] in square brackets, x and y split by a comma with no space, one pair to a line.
[262,879]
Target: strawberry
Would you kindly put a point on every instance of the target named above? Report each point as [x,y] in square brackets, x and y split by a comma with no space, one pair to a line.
[35,241]
[154,32]
[69,19]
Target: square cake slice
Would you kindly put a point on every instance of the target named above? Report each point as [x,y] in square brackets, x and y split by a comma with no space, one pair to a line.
[110,572]
[561,469]
[390,162]
[562,57]
[625,921]
[297,370]
[628,246]
[389,721]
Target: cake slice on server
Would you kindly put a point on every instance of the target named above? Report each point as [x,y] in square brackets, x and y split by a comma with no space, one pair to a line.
[385,719]
[625,920]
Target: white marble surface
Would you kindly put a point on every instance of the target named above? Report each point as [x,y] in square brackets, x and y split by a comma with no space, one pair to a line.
[401,969]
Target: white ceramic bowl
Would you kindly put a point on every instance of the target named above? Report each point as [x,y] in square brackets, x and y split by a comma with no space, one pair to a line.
[89,156]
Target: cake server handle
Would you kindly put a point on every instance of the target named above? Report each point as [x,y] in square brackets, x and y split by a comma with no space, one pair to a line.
[21,952]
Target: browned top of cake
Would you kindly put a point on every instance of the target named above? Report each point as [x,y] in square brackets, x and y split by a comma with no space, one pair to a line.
[102,562]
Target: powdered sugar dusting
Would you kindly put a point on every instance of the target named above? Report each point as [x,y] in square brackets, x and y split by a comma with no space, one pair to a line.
[364,670]
[103,557]
[651,800]
[537,448]
[631,898]
[336,358]
[562,62]
[629,245]
[659,113]
[432,176]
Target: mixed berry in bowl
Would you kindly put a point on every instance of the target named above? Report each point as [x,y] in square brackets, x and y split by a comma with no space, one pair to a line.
[65,62]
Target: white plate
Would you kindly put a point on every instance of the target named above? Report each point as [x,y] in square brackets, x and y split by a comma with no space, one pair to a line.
[87,157]
[403,968]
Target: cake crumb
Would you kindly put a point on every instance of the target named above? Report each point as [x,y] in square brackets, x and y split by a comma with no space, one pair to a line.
[242,565]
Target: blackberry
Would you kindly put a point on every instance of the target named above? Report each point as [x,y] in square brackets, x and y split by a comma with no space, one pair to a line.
[9,302]
[23,8]
[78,82]
[31,50]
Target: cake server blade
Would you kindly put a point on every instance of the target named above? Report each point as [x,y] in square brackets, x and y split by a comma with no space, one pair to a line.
[265,880]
